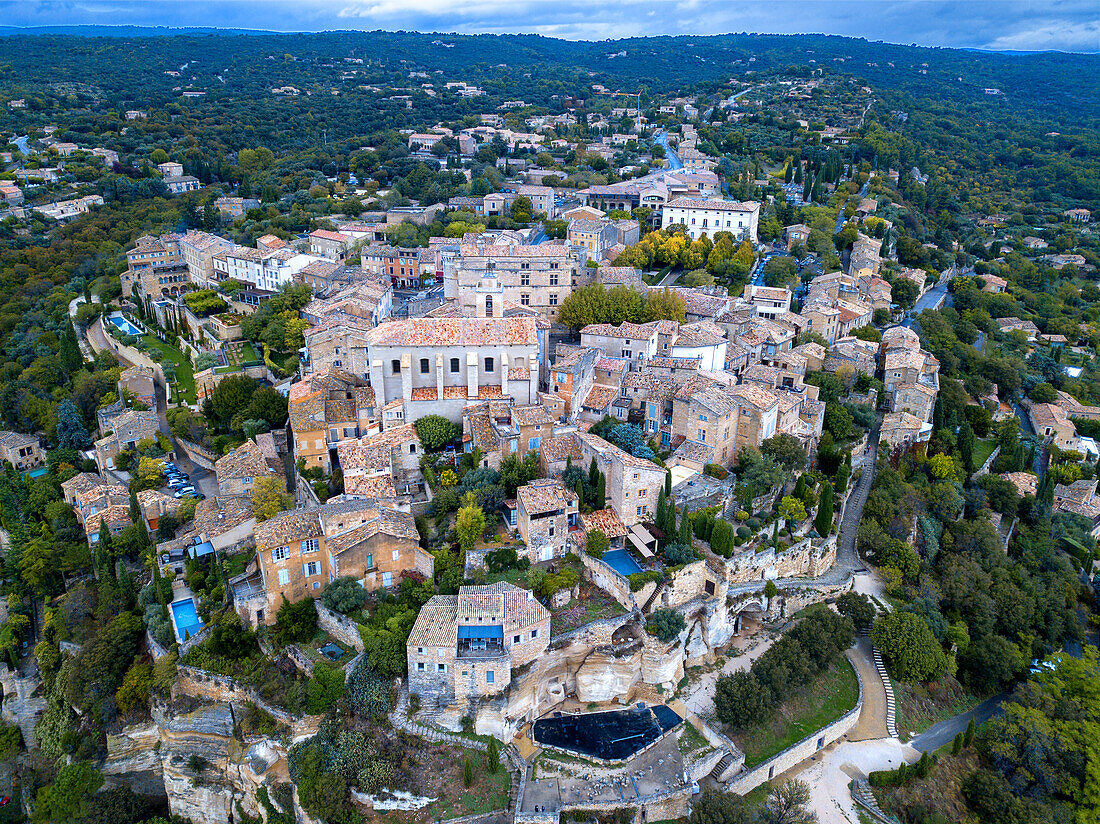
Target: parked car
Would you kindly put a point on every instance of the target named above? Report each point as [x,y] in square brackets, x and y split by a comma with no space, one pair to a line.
[186,491]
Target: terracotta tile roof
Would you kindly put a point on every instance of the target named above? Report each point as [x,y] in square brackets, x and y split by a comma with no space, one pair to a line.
[115,515]
[531,415]
[437,623]
[606,521]
[324,234]
[1025,482]
[599,397]
[695,452]
[703,333]
[625,331]
[676,363]
[543,250]
[469,332]
[755,395]
[287,527]
[1049,414]
[612,364]
[219,514]
[245,461]
[381,520]
[558,448]
[545,496]
[378,486]
[80,483]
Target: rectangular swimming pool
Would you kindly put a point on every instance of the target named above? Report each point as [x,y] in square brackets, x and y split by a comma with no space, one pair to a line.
[612,736]
[622,562]
[186,619]
[125,326]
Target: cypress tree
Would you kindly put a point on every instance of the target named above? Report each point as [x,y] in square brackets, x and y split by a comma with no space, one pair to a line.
[957,744]
[492,756]
[966,447]
[580,493]
[684,537]
[823,522]
[968,736]
[601,492]
[467,773]
[660,514]
[593,473]
[668,484]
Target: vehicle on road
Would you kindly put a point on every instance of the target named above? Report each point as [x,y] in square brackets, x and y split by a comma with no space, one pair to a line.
[186,491]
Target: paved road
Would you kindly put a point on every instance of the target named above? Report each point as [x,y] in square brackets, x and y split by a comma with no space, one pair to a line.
[942,733]
[846,555]
[671,157]
[872,716]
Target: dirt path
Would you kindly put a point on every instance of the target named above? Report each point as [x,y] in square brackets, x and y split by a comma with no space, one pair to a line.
[872,717]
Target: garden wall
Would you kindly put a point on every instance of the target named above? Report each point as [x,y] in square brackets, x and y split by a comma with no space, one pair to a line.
[211,686]
[199,455]
[614,584]
[340,627]
[749,780]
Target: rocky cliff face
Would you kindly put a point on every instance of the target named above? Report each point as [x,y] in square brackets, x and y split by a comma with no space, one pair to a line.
[196,760]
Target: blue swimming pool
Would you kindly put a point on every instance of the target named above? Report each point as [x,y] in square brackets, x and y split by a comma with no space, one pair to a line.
[622,562]
[187,620]
[125,326]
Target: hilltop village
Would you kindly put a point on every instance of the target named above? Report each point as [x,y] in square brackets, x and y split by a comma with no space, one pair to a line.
[532,462]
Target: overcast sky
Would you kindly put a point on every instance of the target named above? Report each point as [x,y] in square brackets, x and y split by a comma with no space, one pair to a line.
[1068,25]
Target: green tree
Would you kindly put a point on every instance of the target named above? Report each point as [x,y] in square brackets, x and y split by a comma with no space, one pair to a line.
[492,756]
[71,795]
[857,607]
[665,624]
[741,701]
[269,497]
[823,521]
[470,522]
[785,450]
[596,543]
[344,594]
[435,432]
[908,646]
[788,803]
[791,509]
[467,774]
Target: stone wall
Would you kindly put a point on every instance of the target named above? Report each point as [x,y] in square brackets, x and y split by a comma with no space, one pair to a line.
[213,687]
[199,455]
[340,627]
[804,558]
[685,585]
[749,780]
[985,467]
[611,582]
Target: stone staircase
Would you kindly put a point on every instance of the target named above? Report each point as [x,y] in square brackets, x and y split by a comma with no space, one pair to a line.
[721,766]
[891,706]
[653,597]
[862,795]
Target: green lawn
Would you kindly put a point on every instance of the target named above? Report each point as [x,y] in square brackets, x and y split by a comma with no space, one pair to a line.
[982,451]
[819,704]
[185,374]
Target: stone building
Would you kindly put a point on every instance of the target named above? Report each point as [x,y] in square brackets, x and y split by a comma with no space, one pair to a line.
[21,451]
[299,552]
[546,512]
[238,470]
[385,466]
[327,407]
[126,430]
[632,484]
[435,365]
[486,275]
[501,430]
[466,646]
[140,384]
[155,267]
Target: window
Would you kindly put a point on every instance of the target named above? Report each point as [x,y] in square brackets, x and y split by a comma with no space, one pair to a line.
[554,279]
[525,279]
[396,554]
[284,577]
[490,677]
[553,300]
[702,436]
[702,417]
[525,266]
[420,666]
[534,443]
[395,365]
[309,545]
[534,633]
[425,366]
[641,510]
[525,299]
[387,579]
[553,265]
[311,568]
[551,530]
[515,639]
[412,448]
[455,366]
[280,553]
[441,667]
[370,565]
[642,493]
[489,364]
[488,306]
[316,584]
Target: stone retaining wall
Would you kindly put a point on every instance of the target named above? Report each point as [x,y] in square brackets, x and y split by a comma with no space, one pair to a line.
[984,468]
[340,627]
[199,455]
[597,633]
[745,782]
[199,683]
[612,582]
